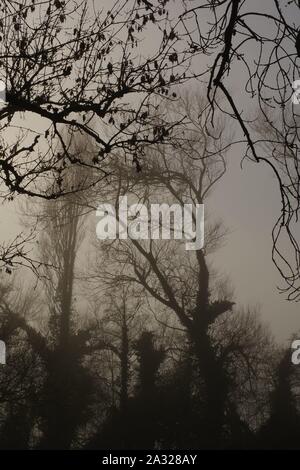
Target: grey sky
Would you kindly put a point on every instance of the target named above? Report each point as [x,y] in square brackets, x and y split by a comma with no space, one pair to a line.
[249,203]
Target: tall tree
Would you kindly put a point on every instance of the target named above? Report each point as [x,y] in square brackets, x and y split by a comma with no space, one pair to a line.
[282,429]
[180,282]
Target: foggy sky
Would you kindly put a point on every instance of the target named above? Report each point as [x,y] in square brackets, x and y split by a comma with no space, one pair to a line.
[248,201]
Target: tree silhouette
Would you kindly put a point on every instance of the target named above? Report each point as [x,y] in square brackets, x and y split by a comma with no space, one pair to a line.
[178,282]
[262,43]
[281,431]
[78,68]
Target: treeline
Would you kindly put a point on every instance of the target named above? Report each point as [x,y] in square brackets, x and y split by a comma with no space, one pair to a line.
[120,383]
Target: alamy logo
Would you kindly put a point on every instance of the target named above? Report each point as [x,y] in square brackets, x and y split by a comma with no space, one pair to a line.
[2,352]
[296,354]
[161,221]
[296,94]
[2,92]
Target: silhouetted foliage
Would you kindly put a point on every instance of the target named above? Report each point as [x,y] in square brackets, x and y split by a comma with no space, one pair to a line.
[142,346]
[282,429]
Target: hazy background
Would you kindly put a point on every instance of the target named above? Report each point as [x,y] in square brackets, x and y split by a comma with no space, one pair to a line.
[248,201]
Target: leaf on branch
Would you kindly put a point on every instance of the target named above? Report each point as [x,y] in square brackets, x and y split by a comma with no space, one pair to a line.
[110,68]
[57,4]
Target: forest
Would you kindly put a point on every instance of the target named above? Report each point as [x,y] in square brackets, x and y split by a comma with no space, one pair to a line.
[138,344]
[125,342]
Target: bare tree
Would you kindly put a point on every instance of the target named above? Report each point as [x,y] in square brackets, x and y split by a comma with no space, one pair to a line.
[174,280]
[74,67]
[66,340]
[80,68]
[261,42]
